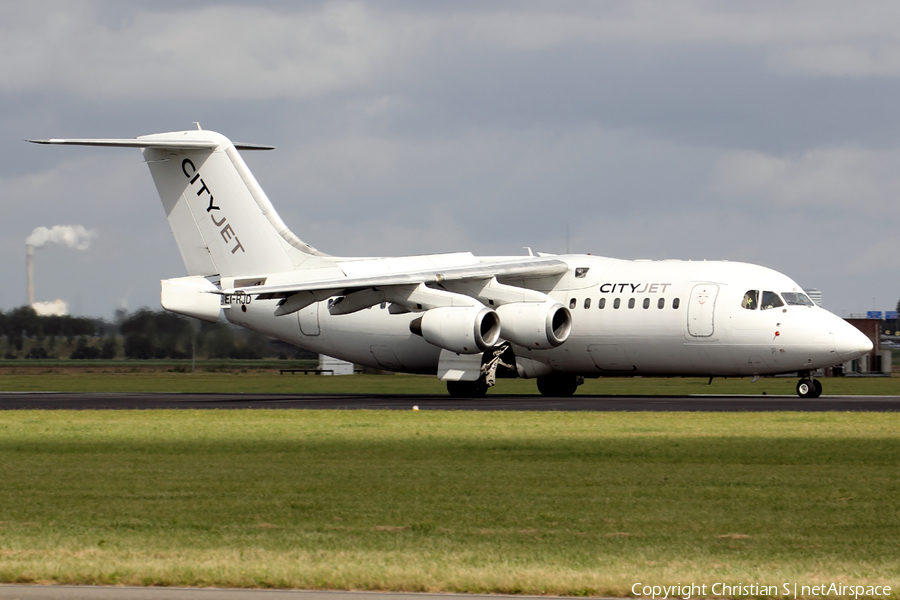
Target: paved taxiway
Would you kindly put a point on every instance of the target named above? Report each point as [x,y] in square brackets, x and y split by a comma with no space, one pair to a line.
[150,401]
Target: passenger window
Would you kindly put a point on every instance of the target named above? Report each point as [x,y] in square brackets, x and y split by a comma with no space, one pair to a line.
[771,300]
[616,303]
[646,302]
[572,303]
[751,300]
[676,303]
[587,302]
[601,303]
[661,303]
[631,303]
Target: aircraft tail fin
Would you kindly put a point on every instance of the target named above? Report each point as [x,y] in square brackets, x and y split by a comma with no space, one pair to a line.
[223,222]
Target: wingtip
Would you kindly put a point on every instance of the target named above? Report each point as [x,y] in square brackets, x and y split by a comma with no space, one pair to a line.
[243,146]
[50,141]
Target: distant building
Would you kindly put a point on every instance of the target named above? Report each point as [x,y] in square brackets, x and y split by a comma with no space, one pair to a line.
[877,361]
[815,295]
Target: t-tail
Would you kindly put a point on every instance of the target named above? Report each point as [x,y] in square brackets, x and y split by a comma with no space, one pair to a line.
[223,222]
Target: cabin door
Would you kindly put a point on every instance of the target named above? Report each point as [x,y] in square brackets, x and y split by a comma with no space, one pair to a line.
[701,310]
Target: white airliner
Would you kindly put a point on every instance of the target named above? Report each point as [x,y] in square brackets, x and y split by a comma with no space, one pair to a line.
[468,319]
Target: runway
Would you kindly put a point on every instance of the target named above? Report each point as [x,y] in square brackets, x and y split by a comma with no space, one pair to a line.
[156,401]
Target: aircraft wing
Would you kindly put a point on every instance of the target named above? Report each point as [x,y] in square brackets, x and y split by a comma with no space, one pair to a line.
[527,268]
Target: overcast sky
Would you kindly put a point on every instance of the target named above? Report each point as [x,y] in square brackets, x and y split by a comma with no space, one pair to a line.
[766,132]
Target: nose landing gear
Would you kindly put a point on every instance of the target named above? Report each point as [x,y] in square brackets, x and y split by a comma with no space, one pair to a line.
[809,387]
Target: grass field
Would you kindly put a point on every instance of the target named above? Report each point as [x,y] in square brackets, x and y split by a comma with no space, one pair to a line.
[255,377]
[556,503]
[263,376]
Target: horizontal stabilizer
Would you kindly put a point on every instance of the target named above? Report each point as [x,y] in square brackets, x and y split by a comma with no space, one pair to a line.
[142,143]
[221,218]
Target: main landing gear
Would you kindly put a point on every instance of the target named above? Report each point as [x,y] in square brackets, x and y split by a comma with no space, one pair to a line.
[492,365]
[808,387]
[467,389]
[559,384]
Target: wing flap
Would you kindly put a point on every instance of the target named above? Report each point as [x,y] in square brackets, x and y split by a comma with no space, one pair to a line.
[531,268]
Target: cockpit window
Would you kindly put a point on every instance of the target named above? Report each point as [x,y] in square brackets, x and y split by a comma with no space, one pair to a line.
[751,300]
[771,300]
[795,299]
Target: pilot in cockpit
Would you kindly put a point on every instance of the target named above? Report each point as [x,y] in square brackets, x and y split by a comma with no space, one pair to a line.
[750,299]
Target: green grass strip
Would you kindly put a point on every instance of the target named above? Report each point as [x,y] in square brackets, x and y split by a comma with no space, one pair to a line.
[549,503]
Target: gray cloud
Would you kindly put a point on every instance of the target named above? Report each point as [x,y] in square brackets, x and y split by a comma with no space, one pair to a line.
[850,180]
[763,132]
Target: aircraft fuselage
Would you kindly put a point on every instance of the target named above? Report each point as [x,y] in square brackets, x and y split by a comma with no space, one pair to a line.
[628,318]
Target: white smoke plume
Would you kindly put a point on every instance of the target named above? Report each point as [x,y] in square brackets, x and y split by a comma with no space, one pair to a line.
[73,236]
[56,308]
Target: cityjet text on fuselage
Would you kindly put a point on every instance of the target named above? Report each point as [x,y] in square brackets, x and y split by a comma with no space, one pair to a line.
[190,171]
[634,288]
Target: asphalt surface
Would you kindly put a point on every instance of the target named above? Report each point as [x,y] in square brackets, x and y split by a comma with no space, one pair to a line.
[152,401]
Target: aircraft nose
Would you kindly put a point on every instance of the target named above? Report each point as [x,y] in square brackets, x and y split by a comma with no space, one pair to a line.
[851,343]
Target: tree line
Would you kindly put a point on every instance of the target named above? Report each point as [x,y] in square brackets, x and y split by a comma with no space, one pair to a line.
[144,334]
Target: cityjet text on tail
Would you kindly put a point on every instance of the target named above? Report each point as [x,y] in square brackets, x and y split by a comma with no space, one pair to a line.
[467,319]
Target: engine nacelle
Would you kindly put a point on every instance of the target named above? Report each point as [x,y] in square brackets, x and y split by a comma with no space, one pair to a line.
[466,330]
[535,325]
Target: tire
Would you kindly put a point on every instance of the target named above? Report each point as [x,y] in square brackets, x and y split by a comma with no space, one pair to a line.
[818,388]
[467,389]
[557,385]
[807,388]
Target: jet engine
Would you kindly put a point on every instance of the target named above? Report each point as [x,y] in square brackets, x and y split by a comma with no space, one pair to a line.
[465,330]
[535,325]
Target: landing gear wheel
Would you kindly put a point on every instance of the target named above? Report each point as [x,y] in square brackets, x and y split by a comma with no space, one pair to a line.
[557,384]
[467,389]
[807,388]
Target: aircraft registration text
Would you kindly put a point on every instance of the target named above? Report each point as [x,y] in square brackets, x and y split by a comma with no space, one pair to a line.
[238,299]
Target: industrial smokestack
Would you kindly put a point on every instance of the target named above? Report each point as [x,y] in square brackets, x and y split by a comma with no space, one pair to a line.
[29,266]
[73,236]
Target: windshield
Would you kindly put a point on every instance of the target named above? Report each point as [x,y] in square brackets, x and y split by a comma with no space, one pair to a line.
[795,299]
[770,300]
